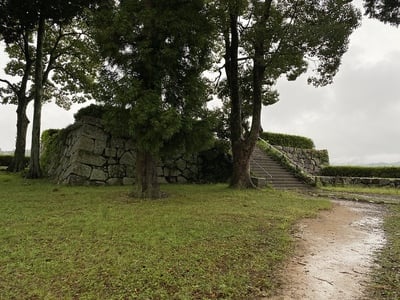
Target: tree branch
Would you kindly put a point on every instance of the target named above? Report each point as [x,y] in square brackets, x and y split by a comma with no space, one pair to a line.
[10,85]
[219,70]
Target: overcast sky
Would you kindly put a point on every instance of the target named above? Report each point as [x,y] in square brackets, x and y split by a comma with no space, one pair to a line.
[356,118]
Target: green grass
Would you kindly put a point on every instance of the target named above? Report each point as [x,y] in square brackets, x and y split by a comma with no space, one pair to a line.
[386,278]
[202,242]
[361,189]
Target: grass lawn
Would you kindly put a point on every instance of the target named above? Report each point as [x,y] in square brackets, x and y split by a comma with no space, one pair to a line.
[202,242]
[361,189]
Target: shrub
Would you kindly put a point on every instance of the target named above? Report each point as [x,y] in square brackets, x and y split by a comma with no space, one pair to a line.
[216,163]
[93,110]
[5,160]
[355,171]
[280,139]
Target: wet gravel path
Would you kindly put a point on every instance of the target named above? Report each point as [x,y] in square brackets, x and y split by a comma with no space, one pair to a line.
[335,253]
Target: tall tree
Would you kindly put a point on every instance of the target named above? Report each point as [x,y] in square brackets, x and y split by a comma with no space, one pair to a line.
[264,40]
[157,51]
[387,11]
[17,93]
[19,18]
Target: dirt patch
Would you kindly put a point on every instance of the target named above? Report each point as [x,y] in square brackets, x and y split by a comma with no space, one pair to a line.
[334,253]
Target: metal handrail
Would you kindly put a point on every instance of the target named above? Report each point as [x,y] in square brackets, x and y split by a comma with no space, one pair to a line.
[266,172]
[281,153]
[289,161]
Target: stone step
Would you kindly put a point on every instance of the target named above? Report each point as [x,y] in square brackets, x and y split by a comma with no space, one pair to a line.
[261,165]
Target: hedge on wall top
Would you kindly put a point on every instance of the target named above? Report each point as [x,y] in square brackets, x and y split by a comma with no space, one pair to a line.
[5,160]
[93,110]
[351,171]
[287,140]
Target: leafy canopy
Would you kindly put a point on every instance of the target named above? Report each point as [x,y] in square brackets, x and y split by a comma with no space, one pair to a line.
[156,51]
[387,11]
[296,36]
[70,63]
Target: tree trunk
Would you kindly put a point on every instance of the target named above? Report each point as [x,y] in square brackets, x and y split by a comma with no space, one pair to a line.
[146,176]
[241,166]
[34,166]
[18,163]
[242,147]
[240,154]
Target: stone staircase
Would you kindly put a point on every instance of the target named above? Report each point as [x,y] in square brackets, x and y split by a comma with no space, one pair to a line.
[263,166]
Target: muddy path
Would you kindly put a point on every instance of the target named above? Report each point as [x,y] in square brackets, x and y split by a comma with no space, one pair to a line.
[334,253]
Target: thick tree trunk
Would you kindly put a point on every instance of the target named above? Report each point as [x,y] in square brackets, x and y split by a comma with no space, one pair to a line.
[242,147]
[241,167]
[240,152]
[34,166]
[18,163]
[146,176]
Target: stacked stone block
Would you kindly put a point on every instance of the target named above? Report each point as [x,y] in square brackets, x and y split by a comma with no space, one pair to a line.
[92,156]
[310,160]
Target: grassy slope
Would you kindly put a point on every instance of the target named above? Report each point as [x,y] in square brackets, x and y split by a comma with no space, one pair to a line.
[202,242]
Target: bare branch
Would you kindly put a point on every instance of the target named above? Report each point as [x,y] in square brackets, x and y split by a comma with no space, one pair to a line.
[218,79]
[10,85]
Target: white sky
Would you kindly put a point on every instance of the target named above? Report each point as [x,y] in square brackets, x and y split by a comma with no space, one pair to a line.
[356,118]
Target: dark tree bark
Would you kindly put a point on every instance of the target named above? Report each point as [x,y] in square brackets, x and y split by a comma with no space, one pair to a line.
[240,151]
[243,145]
[34,166]
[18,163]
[146,176]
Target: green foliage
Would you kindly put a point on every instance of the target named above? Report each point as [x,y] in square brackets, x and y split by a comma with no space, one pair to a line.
[265,40]
[355,171]
[52,57]
[70,55]
[50,144]
[157,54]
[287,140]
[383,10]
[93,110]
[5,160]
[53,142]
[291,35]
[202,242]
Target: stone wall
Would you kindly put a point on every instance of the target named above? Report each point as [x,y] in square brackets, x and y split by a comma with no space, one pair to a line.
[310,160]
[89,155]
[361,181]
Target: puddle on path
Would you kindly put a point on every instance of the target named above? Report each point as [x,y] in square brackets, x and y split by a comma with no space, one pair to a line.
[335,253]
